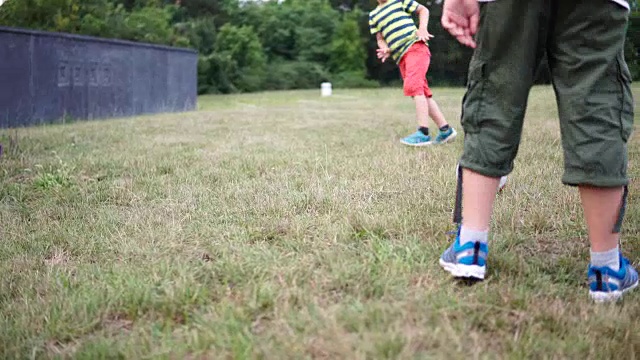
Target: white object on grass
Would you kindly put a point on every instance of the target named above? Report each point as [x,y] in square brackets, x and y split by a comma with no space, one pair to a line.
[501,185]
[326,89]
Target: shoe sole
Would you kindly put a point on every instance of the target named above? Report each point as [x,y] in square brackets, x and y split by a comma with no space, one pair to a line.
[503,183]
[464,271]
[449,138]
[604,297]
[417,145]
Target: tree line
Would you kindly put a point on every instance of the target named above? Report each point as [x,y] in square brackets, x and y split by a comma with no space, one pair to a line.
[252,45]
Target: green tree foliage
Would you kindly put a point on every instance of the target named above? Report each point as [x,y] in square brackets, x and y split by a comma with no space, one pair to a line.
[257,45]
[276,26]
[200,33]
[242,46]
[216,73]
[146,22]
[348,54]
[316,25]
[347,50]
[54,15]
[632,44]
[287,75]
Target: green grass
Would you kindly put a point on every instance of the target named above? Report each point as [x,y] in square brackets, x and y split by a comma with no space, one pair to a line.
[285,225]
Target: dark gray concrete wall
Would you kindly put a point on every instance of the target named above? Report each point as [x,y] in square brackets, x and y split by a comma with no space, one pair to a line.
[45,77]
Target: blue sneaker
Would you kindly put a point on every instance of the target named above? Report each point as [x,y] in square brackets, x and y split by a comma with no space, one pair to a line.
[466,261]
[417,139]
[446,136]
[606,284]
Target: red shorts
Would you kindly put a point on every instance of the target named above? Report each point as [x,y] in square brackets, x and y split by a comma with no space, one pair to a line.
[413,68]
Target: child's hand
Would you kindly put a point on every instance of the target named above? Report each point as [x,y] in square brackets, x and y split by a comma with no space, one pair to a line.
[383,53]
[424,35]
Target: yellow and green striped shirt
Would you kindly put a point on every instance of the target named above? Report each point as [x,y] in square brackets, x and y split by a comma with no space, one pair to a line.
[394,21]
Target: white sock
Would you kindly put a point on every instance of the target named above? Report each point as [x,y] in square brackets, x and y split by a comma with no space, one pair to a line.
[473,236]
[609,259]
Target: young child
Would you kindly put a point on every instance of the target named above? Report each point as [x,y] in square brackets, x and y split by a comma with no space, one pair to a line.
[399,38]
[584,42]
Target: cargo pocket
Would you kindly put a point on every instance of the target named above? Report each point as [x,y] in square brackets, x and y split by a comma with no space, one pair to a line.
[472,102]
[626,99]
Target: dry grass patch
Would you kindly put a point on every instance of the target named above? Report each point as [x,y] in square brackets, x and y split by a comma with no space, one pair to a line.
[286,226]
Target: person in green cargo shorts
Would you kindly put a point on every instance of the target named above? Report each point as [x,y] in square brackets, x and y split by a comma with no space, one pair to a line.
[583,41]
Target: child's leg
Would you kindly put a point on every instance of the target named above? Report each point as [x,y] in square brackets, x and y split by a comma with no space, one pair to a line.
[496,101]
[436,114]
[422,110]
[434,110]
[446,133]
[501,73]
[595,103]
[413,68]
[601,208]
[479,193]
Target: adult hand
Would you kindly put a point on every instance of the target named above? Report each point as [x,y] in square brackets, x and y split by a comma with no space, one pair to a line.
[460,18]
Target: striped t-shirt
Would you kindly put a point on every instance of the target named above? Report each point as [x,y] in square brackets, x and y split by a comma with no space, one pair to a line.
[393,20]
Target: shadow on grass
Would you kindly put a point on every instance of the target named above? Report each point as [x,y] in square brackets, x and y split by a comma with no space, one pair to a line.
[467,282]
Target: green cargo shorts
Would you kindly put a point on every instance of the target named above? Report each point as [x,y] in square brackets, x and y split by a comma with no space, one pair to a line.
[584,43]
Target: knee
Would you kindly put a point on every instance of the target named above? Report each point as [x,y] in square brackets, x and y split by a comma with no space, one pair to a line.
[490,152]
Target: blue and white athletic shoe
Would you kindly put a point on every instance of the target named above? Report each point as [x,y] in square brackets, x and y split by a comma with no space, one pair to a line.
[606,285]
[465,261]
[446,136]
[417,139]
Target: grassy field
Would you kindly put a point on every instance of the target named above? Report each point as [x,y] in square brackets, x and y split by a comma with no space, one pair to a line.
[284,225]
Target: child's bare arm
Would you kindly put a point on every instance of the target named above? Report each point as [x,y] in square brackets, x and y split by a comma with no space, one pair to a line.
[382,44]
[423,32]
[383,48]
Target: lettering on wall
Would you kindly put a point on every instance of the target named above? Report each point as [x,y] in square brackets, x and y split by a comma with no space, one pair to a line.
[63,74]
[84,73]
